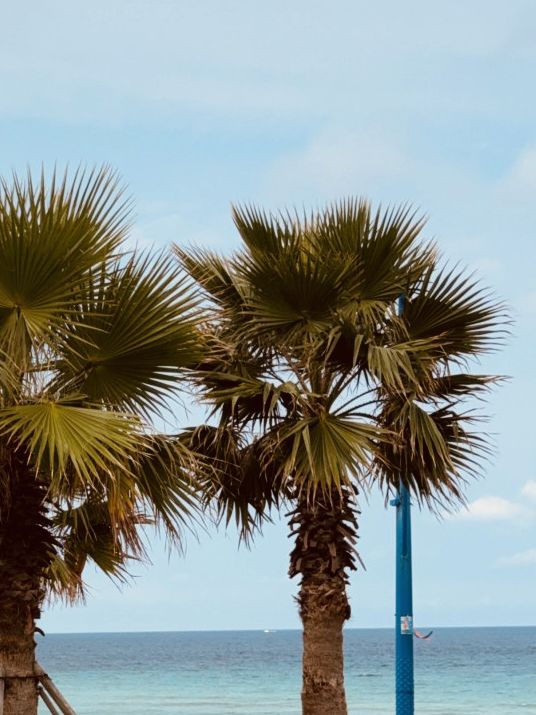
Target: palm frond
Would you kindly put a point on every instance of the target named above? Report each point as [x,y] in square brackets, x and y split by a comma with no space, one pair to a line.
[454,316]
[73,447]
[240,481]
[212,273]
[433,449]
[167,486]
[134,338]
[51,234]
[325,451]
[87,532]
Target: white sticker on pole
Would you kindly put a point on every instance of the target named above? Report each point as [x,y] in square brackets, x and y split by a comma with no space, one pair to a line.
[406,625]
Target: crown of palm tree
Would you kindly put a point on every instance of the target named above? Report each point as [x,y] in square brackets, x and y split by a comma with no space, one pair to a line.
[93,339]
[315,376]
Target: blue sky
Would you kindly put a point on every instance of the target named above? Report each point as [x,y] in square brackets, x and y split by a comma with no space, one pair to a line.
[202,104]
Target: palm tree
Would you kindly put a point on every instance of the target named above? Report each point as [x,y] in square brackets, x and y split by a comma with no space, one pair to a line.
[92,339]
[307,359]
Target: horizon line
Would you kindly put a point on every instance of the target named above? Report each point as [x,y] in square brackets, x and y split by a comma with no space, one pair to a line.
[269,630]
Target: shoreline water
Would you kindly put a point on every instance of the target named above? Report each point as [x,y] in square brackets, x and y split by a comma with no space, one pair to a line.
[485,671]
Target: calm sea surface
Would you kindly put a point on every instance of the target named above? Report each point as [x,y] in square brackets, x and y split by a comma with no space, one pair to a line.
[490,671]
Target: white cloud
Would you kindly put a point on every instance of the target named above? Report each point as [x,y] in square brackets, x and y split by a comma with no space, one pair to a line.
[493,509]
[523,558]
[529,490]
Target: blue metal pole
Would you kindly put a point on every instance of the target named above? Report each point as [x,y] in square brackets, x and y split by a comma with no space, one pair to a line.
[404,606]
[404,598]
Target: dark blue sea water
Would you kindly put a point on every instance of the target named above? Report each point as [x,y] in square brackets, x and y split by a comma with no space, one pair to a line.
[488,671]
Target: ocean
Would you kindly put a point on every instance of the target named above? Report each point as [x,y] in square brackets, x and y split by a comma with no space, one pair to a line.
[488,671]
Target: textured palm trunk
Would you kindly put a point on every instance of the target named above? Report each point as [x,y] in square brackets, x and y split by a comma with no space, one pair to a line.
[325,530]
[25,551]
[17,658]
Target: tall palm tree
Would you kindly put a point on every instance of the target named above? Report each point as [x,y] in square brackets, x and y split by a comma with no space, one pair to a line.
[307,359]
[92,340]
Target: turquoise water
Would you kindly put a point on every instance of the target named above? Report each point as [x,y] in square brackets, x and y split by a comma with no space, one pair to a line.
[488,671]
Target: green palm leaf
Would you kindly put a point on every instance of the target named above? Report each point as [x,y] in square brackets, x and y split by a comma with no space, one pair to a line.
[50,237]
[241,481]
[135,336]
[211,273]
[168,489]
[326,451]
[72,446]
[454,317]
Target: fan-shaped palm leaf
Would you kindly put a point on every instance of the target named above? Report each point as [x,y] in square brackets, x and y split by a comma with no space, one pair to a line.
[76,447]
[126,346]
[51,235]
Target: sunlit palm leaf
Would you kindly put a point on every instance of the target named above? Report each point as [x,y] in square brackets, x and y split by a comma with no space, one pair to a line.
[74,447]
[326,451]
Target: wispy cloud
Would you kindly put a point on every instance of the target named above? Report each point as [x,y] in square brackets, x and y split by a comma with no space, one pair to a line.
[493,509]
[523,558]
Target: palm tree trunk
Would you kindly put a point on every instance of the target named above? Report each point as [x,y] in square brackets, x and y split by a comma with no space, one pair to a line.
[325,530]
[26,548]
[17,658]
[323,611]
